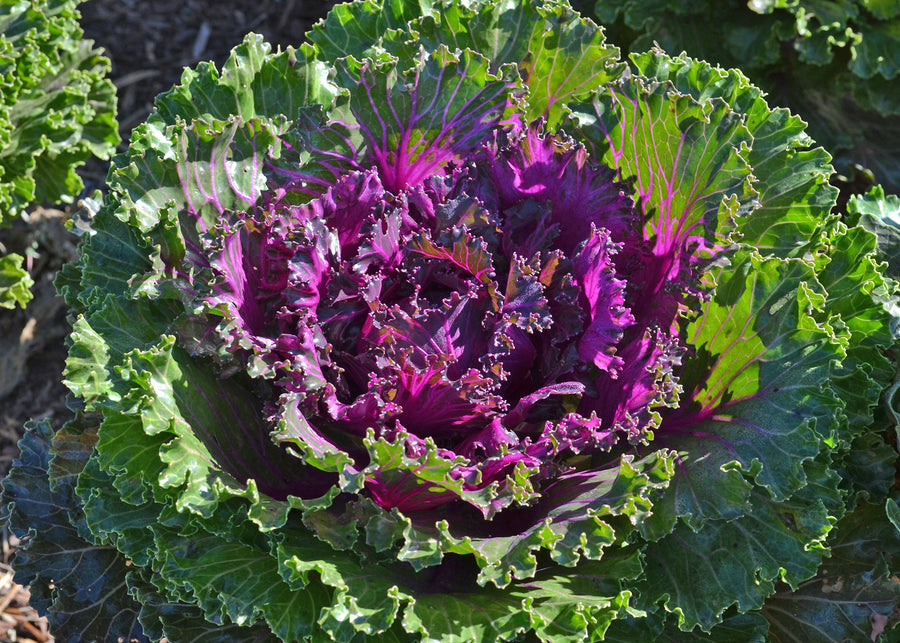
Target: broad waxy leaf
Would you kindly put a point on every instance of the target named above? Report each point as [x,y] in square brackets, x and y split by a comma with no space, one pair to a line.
[81,587]
[854,596]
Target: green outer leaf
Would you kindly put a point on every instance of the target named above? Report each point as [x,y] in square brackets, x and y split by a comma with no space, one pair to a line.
[15,282]
[254,83]
[647,626]
[880,214]
[698,574]
[892,510]
[854,590]
[184,622]
[294,429]
[769,417]
[882,9]
[684,157]
[215,430]
[559,607]
[194,568]
[111,256]
[788,48]
[192,565]
[794,199]
[85,373]
[81,589]
[781,416]
[853,283]
[217,170]
[844,292]
[571,607]
[352,29]
[192,560]
[198,568]
[389,459]
[582,517]
[869,465]
[366,598]
[213,132]
[761,407]
[557,65]
[547,59]
[234,582]
[738,628]
[878,51]
[98,345]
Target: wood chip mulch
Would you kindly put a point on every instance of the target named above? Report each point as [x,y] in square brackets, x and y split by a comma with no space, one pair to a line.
[19,622]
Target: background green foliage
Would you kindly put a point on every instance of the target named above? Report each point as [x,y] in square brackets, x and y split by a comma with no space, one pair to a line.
[57,108]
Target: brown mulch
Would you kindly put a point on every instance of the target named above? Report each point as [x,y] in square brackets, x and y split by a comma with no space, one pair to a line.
[19,622]
[149,44]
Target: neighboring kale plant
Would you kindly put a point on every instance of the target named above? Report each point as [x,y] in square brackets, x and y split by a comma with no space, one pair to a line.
[836,64]
[57,108]
[450,326]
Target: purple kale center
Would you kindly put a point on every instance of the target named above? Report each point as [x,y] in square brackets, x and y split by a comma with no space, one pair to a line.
[509,315]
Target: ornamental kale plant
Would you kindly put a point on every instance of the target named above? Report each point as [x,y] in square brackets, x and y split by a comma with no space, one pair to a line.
[57,108]
[451,326]
[836,64]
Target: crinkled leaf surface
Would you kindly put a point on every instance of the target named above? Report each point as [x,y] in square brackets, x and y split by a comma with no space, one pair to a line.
[698,574]
[556,65]
[229,123]
[57,107]
[162,617]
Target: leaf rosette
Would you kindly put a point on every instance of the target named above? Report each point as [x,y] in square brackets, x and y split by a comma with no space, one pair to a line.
[450,326]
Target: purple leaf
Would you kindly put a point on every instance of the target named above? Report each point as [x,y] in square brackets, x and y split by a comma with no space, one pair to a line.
[553,170]
[602,295]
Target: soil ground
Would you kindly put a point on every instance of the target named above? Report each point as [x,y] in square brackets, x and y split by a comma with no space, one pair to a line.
[148,43]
